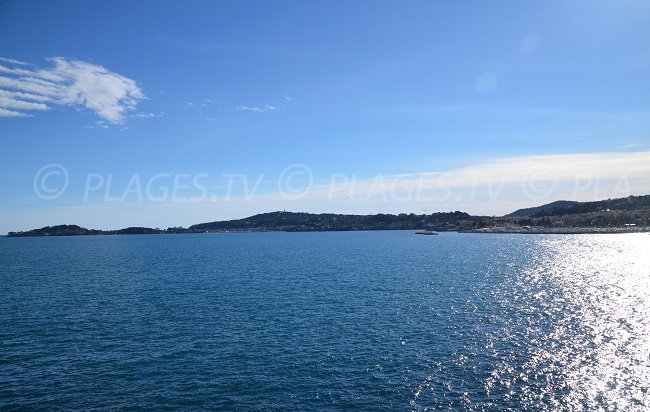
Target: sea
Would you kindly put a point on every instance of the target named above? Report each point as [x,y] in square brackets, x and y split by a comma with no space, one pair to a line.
[377,320]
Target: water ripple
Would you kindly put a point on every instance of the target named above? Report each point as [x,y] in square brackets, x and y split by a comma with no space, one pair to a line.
[313,321]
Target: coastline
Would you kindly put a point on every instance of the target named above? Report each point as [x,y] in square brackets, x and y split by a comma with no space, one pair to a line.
[611,216]
[487,230]
[560,230]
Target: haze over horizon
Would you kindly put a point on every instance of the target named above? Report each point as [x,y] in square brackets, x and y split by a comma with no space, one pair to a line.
[116,114]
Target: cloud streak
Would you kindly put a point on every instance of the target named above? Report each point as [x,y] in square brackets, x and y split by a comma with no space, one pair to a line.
[493,187]
[258,109]
[13,61]
[67,82]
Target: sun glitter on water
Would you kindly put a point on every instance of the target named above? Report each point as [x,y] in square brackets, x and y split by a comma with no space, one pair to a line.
[597,294]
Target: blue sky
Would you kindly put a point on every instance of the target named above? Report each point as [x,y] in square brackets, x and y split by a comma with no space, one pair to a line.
[355,89]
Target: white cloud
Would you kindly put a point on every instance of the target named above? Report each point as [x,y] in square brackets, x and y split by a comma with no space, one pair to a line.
[203,102]
[10,102]
[68,83]
[497,186]
[24,96]
[629,146]
[11,113]
[258,109]
[255,109]
[14,61]
[144,115]
[502,185]
[46,90]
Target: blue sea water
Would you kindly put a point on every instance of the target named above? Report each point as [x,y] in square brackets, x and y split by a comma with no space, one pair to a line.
[326,321]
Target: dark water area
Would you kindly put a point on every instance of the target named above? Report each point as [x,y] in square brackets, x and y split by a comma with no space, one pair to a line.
[326,321]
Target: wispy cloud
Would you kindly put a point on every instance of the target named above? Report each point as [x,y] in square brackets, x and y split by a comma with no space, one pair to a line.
[14,61]
[144,115]
[504,184]
[67,82]
[197,103]
[258,109]
[497,186]
[277,105]
[629,146]
[10,113]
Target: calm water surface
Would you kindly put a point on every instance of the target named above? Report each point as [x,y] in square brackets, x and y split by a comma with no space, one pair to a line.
[313,321]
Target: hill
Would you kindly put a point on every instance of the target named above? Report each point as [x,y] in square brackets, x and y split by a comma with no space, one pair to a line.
[301,222]
[74,230]
[631,213]
[564,207]
[559,205]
